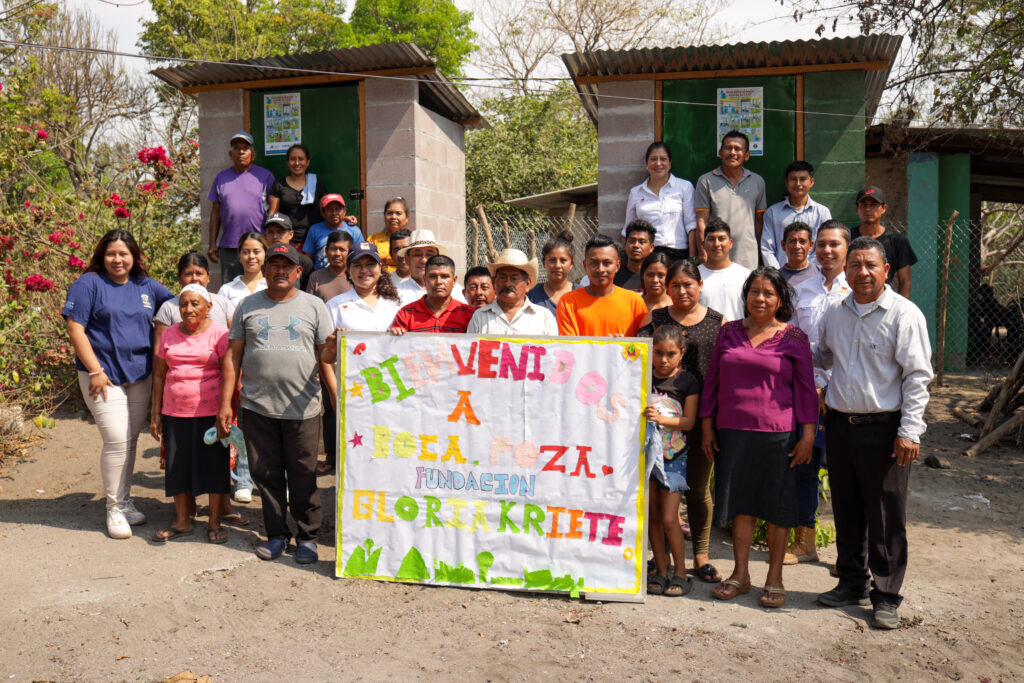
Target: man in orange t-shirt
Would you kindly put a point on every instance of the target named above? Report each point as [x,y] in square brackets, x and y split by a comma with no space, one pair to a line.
[600,309]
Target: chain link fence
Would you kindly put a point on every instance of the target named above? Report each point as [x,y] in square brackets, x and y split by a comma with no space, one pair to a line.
[981,290]
[528,234]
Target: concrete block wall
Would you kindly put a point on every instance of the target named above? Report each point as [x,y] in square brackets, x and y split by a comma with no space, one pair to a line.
[625,128]
[390,135]
[221,114]
[441,181]
[414,153]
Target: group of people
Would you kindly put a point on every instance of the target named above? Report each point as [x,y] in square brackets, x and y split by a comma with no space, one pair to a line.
[758,370]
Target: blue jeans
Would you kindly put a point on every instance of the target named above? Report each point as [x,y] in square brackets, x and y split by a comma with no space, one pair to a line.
[807,488]
[240,475]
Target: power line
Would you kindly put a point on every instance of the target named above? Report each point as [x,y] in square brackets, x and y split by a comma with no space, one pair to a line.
[268,67]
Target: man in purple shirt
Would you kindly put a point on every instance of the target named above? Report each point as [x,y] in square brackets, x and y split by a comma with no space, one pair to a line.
[239,196]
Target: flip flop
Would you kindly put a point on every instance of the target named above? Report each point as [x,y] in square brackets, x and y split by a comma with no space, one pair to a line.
[170,532]
[684,583]
[217,536]
[656,584]
[708,573]
[768,601]
[730,588]
[236,518]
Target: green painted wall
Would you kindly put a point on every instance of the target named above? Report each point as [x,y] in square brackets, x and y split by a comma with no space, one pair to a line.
[922,219]
[955,194]
[834,145]
[330,128]
[690,127]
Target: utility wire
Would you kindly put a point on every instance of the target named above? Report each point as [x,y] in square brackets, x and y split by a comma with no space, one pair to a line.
[290,69]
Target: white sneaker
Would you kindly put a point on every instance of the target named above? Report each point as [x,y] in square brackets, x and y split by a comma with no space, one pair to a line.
[243,496]
[134,517]
[117,524]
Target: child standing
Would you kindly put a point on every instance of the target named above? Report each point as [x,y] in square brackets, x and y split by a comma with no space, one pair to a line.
[673,407]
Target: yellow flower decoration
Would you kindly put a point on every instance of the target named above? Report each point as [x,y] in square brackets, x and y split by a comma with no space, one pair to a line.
[631,352]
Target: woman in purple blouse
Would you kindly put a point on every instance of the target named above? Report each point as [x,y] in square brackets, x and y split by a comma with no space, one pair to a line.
[759,409]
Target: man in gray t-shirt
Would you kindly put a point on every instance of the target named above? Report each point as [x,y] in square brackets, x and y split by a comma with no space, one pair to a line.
[276,339]
[735,195]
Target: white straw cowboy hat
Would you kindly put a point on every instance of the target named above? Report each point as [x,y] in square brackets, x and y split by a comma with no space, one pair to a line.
[422,238]
[513,258]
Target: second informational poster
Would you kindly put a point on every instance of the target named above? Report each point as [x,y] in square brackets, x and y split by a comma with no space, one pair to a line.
[282,122]
[742,109]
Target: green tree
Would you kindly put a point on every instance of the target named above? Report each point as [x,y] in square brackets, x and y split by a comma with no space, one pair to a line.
[961,62]
[222,31]
[538,142]
[437,26]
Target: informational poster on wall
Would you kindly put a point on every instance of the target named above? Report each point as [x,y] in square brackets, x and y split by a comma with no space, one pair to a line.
[282,122]
[742,109]
[493,463]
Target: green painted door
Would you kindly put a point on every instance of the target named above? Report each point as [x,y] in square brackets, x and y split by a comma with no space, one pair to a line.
[330,129]
[689,127]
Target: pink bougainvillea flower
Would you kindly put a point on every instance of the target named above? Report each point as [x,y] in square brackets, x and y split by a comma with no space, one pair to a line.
[121,212]
[41,135]
[37,283]
[114,200]
[27,203]
[76,262]
[56,237]
[81,216]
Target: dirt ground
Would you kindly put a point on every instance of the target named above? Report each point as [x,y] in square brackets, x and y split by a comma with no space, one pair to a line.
[79,606]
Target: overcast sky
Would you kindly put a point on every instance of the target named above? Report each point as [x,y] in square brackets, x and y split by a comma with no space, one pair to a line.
[760,21]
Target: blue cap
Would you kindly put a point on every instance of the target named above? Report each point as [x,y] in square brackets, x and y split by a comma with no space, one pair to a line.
[242,135]
[363,249]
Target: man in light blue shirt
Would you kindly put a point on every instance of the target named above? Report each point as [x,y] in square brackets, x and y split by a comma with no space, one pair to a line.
[798,206]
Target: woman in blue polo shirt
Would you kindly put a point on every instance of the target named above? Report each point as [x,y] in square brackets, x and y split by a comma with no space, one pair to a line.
[109,313]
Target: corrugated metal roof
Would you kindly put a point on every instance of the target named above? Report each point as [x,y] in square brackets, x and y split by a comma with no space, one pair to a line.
[790,53]
[548,200]
[436,91]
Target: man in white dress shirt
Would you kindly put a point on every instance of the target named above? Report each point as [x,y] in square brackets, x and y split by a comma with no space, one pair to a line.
[422,246]
[876,344]
[512,312]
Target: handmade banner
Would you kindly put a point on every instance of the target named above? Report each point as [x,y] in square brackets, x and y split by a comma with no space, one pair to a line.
[493,462]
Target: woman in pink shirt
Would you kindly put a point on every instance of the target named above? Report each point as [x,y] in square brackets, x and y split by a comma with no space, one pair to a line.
[193,381]
[759,410]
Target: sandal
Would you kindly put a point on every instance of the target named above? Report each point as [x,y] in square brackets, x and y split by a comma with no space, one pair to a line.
[170,532]
[768,601]
[236,518]
[730,588]
[683,583]
[656,584]
[217,536]
[708,573]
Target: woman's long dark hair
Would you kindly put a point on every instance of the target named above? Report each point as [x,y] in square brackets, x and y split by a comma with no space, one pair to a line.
[117,235]
[385,287]
[782,288]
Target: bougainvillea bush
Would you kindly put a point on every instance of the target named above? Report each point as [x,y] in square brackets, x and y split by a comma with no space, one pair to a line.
[48,229]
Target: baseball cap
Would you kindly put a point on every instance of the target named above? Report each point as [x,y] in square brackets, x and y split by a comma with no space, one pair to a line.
[243,135]
[364,249]
[286,250]
[871,192]
[328,198]
[280,219]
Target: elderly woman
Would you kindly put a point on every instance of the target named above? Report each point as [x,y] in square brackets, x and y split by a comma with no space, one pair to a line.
[109,313]
[701,325]
[759,409]
[664,201]
[193,382]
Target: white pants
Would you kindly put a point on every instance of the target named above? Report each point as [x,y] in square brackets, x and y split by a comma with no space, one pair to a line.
[121,418]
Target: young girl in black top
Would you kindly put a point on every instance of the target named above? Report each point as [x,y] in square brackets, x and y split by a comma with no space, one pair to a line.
[673,407]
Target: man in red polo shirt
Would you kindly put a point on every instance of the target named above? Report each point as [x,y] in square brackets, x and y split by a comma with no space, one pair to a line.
[436,311]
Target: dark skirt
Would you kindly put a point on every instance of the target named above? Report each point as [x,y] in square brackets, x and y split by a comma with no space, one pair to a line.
[192,465]
[753,477]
